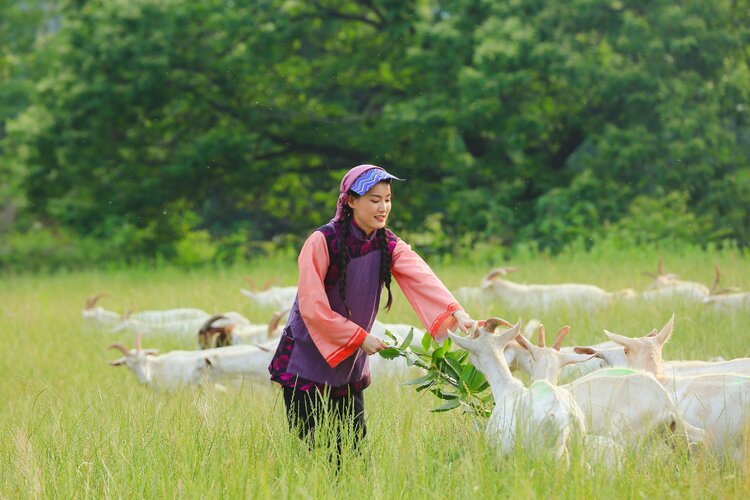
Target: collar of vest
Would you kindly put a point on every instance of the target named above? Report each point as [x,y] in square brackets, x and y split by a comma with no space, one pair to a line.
[358,233]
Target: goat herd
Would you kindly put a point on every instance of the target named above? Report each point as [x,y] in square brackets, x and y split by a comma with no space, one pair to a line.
[621,390]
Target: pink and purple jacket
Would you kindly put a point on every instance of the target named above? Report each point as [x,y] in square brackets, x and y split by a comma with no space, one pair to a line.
[319,347]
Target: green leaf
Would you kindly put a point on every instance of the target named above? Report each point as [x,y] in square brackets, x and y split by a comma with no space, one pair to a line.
[462,355]
[437,354]
[426,341]
[448,344]
[407,341]
[425,385]
[392,337]
[454,363]
[420,380]
[444,395]
[390,353]
[455,403]
[473,379]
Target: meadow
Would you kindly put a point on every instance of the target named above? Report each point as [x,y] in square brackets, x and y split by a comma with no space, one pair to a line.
[72,426]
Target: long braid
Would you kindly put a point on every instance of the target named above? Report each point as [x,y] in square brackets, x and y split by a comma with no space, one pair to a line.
[385,266]
[344,257]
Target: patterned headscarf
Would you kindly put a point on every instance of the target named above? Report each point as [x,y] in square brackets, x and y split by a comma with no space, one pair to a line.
[359,179]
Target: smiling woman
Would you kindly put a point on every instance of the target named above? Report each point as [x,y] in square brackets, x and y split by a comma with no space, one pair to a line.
[322,358]
[371,210]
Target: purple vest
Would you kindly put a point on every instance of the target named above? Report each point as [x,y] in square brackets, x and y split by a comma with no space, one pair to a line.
[297,358]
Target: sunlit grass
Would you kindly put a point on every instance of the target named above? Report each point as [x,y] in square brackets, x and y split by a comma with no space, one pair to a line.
[73,426]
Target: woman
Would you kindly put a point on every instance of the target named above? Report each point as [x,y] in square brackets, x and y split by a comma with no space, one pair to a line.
[322,357]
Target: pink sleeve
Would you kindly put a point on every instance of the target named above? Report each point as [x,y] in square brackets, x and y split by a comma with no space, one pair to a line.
[429,298]
[335,337]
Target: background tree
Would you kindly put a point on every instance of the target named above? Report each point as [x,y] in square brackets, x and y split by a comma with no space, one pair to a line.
[513,120]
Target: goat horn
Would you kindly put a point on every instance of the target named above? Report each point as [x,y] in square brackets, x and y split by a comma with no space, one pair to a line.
[560,337]
[120,348]
[493,273]
[253,284]
[210,322]
[493,323]
[542,338]
[274,323]
[660,267]
[716,279]
[267,284]
[91,300]
[138,338]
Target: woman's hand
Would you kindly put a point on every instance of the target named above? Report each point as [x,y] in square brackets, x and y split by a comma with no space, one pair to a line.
[372,344]
[465,323]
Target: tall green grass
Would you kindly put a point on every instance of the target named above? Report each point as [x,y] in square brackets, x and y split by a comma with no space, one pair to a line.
[72,426]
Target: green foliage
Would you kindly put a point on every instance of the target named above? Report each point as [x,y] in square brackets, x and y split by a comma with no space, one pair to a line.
[542,123]
[449,377]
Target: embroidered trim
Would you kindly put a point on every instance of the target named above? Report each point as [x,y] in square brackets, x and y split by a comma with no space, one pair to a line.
[440,319]
[347,349]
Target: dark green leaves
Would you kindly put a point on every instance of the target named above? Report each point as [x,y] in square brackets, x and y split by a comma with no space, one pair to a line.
[450,376]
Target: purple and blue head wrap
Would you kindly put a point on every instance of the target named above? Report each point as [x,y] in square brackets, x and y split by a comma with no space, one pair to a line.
[359,179]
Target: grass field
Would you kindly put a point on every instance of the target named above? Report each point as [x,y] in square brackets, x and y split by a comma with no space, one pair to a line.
[72,426]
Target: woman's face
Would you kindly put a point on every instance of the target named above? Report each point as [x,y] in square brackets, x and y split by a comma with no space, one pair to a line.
[372,208]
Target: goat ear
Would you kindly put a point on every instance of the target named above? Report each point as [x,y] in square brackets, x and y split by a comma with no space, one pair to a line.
[117,362]
[463,342]
[585,350]
[524,342]
[505,337]
[570,358]
[151,352]
[663,336]
[620,339]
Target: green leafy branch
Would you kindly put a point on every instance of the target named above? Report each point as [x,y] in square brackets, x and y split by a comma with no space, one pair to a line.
[450,376]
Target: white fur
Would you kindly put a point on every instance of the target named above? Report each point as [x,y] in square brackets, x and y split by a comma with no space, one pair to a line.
[542,297]
[167,371]
[718,403]
[240,360]
[543,418]
[617,403]
[275,297]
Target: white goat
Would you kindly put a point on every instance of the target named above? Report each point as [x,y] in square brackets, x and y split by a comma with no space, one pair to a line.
[276,297]
[239,360]
[179,327]
[667,286]
[727,298]
[615,356]
[618,403]
[737,300]
[718,403]
[97,316]
[515,295]
[169,370]
[546,416]
[168,315]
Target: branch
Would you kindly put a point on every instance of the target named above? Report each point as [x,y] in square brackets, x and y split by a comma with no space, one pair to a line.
[322,10]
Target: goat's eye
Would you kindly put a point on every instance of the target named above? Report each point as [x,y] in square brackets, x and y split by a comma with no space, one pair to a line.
[626,351]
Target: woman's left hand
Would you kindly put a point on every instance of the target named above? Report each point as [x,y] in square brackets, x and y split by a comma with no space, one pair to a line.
[465,323]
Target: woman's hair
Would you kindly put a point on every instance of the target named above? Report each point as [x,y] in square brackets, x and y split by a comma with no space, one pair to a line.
[344,257]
